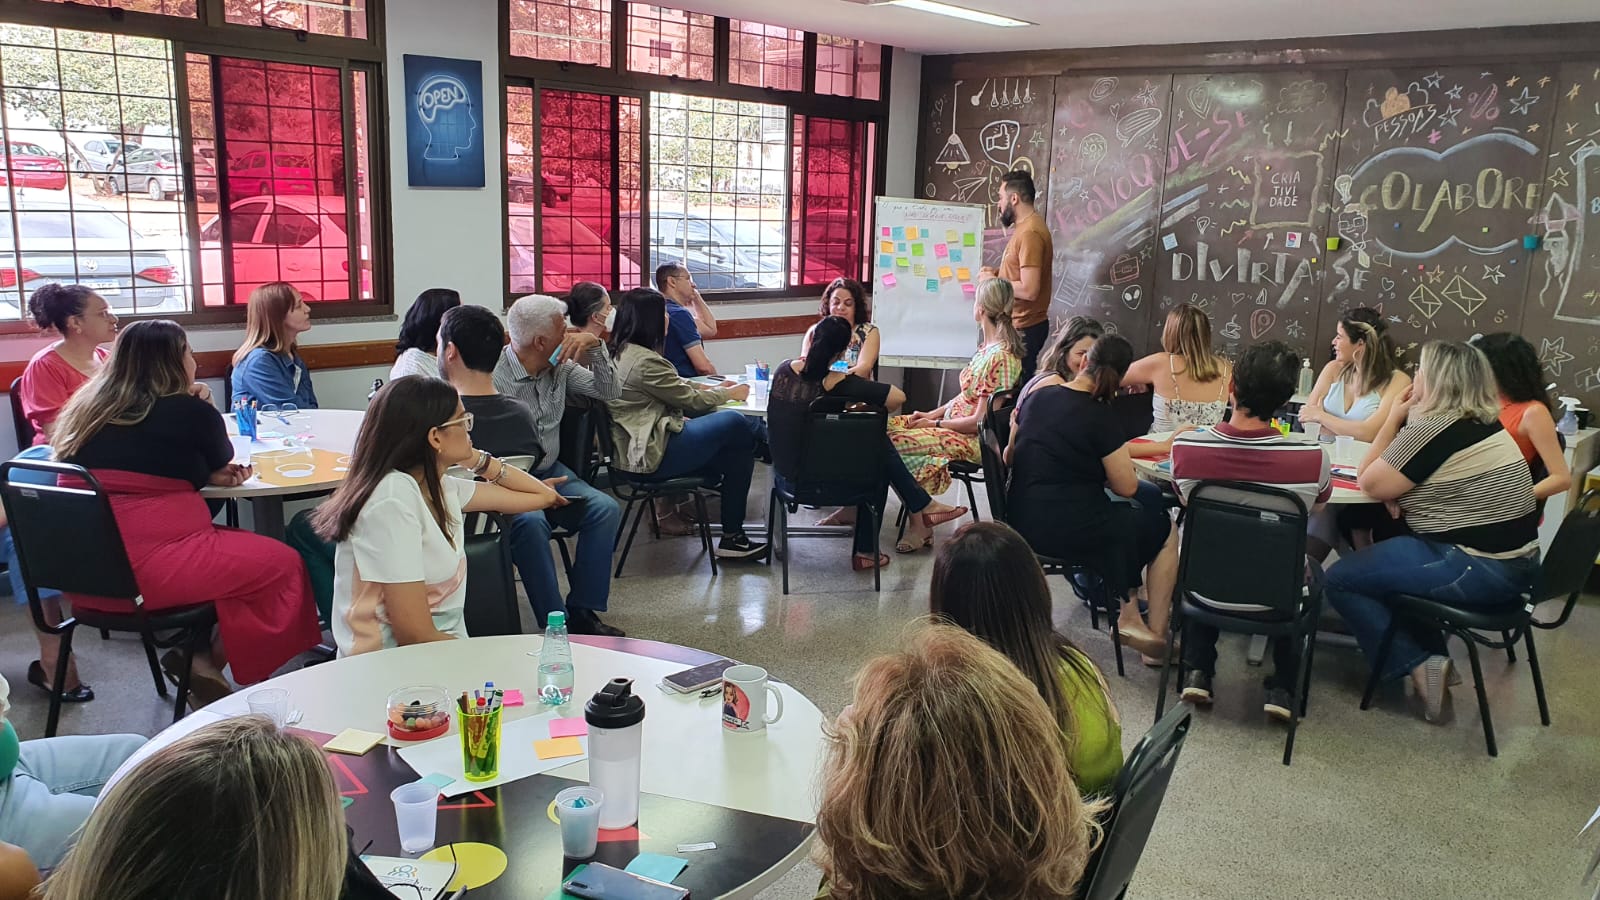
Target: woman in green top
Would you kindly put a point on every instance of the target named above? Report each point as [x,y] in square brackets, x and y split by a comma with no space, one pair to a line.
[986,580]
[48,787]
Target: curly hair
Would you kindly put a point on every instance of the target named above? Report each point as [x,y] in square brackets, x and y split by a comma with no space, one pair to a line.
[1516,367]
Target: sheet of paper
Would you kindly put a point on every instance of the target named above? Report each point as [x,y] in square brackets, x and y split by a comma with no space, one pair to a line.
[573,727]
[353,741]
[429,878]
[558,748]
[657,866]
[443,755]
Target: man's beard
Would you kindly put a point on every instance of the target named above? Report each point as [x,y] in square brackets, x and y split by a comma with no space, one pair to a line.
[1008,216]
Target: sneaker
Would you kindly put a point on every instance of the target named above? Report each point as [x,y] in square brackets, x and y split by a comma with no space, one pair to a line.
[739,546]
[585,621]
[1196,688]
[1279,704]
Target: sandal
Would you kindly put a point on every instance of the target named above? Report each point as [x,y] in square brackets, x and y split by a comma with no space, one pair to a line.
[80,694]
[930,520]
[905,546]
[861,563]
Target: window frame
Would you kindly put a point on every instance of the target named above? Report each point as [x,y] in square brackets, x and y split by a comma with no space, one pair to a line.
[210,34]
[616,79]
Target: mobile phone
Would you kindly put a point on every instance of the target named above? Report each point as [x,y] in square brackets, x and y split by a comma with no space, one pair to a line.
[690,680]
[598,881]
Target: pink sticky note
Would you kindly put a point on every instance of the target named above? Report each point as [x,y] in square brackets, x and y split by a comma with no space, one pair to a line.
[969,289]
[573,727]
[889,280]
[885,231]
[512,698]
[941,250]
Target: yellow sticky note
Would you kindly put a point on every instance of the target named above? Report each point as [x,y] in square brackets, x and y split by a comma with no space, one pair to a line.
[353,741]
[964,274]
[951,236]
[886,246]
[919,270]
[944,271]
[555,748]
[911,234]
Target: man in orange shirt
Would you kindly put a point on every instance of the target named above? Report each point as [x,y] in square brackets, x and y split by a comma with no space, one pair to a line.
[1026,264]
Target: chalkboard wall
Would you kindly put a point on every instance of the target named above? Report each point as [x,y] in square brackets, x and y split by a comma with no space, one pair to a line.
[1277,195]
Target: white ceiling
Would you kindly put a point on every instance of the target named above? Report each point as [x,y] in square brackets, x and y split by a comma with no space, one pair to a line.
[1103,23]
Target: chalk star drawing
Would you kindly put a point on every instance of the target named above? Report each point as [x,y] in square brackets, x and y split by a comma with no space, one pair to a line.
[1395,319]
[1512,81]
[1523,102]
[1532,128]
[1493,273]
[1433,80]
[1294,329]
[1223,189]
[1435,274]
[1454,93]
[1554,353]
[1146,95]
[1449,117]
[1544,81]
[1573,94]
[1435,136]
[1572,128]
[1484,74]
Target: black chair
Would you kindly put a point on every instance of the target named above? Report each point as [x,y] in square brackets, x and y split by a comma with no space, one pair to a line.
[55,529]
[1272,599]
[1141,787]
[484,525]
[491,604]
[970,474]
[19,419]
[843,459]
[1565,568]
[638,490]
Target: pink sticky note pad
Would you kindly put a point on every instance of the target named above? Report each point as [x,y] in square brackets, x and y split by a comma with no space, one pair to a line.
[512,698]
[889,280]
[941,250]
[573,727]
[885,231]
[969,289]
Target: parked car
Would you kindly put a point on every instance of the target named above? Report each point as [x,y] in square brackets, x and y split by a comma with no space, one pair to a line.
[577,254]
[159,175]
[95,156]
[709,250]
[301,240]
[258,173]
[29,165]
[89,245]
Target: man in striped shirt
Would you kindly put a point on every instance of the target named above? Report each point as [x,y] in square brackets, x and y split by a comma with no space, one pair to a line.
[1247,448]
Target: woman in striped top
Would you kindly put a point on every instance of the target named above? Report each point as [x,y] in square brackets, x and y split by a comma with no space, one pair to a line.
[1444,459]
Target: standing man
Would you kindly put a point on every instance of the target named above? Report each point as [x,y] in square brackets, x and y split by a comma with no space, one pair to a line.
[1026,264]
[689,320]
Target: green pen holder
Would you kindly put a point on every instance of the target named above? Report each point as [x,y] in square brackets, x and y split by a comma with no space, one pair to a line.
[480,744]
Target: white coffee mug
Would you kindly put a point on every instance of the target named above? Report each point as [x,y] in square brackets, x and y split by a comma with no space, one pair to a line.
[745,690]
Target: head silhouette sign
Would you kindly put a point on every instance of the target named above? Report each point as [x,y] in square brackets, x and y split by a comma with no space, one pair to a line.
[443,148]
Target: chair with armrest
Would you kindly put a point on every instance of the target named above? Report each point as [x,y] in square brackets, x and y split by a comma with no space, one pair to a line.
[55,529]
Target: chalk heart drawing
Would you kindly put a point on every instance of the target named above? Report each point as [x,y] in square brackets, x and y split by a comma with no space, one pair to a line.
[1261,322]
[1422,171]
[1231,331]
[1386,283]
[1200,99]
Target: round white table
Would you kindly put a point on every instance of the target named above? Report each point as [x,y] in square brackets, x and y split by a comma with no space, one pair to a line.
[331,430]
[753,795]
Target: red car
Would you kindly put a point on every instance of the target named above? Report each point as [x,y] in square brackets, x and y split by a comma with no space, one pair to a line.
[29,165]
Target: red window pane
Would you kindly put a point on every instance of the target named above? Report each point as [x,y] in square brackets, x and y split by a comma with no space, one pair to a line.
[576,156]
[666,41]
[284,214]
[339,18]
[766,55]
[828,182]
[847,67]
[523,193]
[184,8]
[630,194]
[562,30]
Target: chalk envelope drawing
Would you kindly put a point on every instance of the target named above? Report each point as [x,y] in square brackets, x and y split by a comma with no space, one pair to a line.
[444,122]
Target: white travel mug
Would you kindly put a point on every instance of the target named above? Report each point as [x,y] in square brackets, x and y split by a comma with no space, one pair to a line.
[616,735]
[745,693]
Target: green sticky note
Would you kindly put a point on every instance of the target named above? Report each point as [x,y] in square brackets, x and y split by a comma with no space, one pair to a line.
[916,249]
[969,240]
[902,263]
[345,802]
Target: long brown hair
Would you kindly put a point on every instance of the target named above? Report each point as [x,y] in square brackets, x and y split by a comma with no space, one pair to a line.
[947,778]
[1107,362]
[1188,334]
[1372,372]
[146,364]
[393,438]
[987,581]
[265,324]
[238,809]
[1057,355]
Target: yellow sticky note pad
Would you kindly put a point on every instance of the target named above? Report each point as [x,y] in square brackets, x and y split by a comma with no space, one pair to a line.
[919,270]
[353,741]
[951,236]
[944,271]
[911,234]
[555,748]
[964,274]
[886,246]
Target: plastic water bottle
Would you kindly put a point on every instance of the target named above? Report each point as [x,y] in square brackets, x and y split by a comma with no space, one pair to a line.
[555,663]
[1305,377]
[616,734]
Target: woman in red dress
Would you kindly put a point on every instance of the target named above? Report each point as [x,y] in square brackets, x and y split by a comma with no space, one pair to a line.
[152,445]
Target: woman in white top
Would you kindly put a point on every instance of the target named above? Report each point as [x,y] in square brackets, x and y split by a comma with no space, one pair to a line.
[400,569]
[417,352]
[1359,386]
[1190,379]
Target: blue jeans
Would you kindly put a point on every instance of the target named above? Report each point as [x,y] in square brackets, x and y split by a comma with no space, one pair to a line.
[1359,585]
[719,445]
[595,519]
[53,790]
[19,591]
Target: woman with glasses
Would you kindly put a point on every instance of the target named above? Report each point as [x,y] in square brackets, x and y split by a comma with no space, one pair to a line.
[400,570]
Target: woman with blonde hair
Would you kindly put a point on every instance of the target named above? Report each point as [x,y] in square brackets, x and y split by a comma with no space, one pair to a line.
[237,810]
[947,779]
[1358,387]
[1190,378]
[1443,458]
[267,367]
[930,441]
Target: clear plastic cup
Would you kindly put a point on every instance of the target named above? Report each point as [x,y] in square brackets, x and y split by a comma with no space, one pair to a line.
[750,373]
[1344,449]
[1313,430]
[416,813]
[580,821]
[270,702]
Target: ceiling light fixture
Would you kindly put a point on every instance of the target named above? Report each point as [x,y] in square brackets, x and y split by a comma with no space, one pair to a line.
[960,12]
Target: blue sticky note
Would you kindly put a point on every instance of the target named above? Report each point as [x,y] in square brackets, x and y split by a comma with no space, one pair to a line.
[344,802]
[900,247]
[885,262]
[955,255]
[439,780]
[899,232]
[657,866]
[1530,242]
[933,285]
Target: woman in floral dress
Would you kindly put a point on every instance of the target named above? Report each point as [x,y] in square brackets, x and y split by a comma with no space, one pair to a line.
[929,441]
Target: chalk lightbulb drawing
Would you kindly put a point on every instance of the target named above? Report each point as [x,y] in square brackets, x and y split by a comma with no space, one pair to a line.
[444,107]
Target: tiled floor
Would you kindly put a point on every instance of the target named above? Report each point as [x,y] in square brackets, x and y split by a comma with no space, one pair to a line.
[1376,805]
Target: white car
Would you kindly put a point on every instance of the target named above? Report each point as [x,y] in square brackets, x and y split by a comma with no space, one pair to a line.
[299,239]
[80,243]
